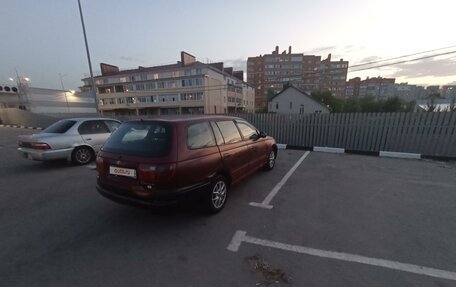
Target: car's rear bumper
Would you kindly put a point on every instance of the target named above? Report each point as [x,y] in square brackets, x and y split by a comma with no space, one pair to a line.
[45,155]
[154,198]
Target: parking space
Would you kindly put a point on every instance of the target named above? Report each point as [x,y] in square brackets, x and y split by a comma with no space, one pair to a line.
[55,230]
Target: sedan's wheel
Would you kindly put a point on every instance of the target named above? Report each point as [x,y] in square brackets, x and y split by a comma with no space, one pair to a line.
[82,155]
[270,163]
[216,196]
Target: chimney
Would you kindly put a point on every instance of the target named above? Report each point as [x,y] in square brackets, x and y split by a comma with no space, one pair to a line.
[289,50]
[277,50]
[187,59]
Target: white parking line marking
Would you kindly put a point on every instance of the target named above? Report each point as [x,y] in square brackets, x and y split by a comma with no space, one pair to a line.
[91,166]
[266,202]
[240,236]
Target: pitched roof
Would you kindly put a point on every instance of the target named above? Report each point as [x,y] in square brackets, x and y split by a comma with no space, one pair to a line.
[305,94]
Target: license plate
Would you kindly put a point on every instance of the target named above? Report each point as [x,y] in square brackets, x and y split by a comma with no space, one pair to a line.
[122,171]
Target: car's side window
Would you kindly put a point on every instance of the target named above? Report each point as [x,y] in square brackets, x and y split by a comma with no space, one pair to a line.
[200,136]
[112,125]
[229,132]
[247,130]
[217,134]
[93,127]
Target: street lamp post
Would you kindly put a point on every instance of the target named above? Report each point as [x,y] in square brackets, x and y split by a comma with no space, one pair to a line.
[94,95]
[21,89]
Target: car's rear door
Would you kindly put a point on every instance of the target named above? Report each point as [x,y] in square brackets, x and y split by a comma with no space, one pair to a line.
[235,154]
[94,133]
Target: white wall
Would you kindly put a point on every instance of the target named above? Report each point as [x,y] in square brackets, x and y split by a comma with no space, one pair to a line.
[291,101]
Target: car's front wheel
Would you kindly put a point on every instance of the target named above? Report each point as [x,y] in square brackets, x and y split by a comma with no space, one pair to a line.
[216,196]
[82,155]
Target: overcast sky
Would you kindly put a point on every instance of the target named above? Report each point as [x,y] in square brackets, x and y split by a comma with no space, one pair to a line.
[41,39]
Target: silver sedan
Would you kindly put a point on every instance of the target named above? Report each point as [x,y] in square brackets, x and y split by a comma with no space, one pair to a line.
[78,140]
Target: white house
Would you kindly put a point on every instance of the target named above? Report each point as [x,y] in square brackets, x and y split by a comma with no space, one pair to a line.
[291,100]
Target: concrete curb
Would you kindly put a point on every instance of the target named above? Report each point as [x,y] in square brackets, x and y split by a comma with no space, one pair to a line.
[20,127]
[399,154]
[389,154]
[281,146]
[328,149]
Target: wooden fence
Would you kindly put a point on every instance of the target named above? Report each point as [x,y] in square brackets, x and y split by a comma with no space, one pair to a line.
[431,134]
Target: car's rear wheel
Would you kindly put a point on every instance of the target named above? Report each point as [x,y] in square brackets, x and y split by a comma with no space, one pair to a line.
[82,155]
[215,198]
[270,163]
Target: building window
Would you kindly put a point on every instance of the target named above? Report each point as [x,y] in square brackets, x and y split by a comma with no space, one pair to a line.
[277,105]
[150,86]
[301,109]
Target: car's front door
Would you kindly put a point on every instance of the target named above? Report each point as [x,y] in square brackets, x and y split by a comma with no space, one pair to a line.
[255,144]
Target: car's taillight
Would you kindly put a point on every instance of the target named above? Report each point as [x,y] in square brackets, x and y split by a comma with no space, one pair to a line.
[151,173]
[102,166]
[42,146]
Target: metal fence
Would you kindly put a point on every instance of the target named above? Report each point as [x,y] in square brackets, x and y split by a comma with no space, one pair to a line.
[432,134]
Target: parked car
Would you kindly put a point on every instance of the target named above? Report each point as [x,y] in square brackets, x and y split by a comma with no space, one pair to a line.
[149,162]
[77,140]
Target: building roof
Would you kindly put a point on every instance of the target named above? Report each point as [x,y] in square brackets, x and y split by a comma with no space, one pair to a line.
[305,94]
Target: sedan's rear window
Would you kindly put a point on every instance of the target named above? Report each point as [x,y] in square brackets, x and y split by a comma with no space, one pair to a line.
[59,127]
[150,139]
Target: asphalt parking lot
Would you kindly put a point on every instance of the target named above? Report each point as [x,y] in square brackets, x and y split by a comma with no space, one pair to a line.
[338,220]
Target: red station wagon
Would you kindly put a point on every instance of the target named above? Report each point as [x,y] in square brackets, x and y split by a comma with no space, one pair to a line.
[150,162]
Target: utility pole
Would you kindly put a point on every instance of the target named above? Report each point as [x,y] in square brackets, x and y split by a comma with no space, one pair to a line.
[94,95]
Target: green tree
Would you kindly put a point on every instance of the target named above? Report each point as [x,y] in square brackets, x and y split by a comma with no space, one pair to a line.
[334,104]
[368,104]
[393,104]
[270,94]
[351,105]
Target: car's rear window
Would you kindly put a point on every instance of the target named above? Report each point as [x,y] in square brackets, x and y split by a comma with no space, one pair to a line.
[59,127]
[150,139]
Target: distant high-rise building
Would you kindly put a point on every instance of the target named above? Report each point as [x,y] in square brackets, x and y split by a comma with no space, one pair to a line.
[379,87]
[409,92]
[268,73]
[352,87]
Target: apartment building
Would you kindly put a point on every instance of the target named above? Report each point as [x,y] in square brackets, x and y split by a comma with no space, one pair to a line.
[352,87]
[187,87]
[409,93]
[380,88]
[268,73]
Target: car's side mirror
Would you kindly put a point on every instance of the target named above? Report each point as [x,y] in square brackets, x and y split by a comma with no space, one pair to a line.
[254,137]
